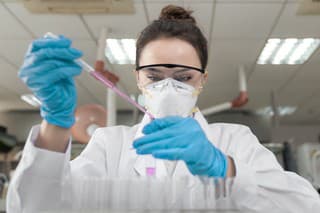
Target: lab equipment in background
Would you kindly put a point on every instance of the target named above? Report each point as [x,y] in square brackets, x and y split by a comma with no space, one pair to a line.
[109,84]
[238,102]
[145,193]
[77,149]
[289,159]
[308,161]
[284,154]
[8,149]
[7,143]
[88,118]
[4,183]
[277,150]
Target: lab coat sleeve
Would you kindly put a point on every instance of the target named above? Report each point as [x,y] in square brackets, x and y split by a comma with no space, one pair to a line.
[38,180]
[261,184]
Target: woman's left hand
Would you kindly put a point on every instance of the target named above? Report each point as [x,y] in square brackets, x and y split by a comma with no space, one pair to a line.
[177,138]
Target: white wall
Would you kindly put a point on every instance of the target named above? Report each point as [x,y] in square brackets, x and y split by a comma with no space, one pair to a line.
[298,133]
[262,127]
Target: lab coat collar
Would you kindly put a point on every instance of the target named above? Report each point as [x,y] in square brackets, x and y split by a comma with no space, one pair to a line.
[161,170]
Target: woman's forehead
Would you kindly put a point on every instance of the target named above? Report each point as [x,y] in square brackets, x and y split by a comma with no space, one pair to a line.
[170,51]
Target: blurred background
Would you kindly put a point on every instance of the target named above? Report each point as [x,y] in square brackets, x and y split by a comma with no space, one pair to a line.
[270,46]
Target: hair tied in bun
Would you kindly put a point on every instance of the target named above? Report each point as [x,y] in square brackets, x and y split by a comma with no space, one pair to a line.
[176,13]
[178,23]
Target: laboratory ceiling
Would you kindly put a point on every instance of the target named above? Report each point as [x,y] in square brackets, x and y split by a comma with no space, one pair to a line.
[236,30]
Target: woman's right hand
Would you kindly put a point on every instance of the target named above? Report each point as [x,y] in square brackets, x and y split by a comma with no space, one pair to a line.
[49,70]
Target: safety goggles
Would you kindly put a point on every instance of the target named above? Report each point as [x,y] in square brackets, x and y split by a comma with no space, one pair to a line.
[169,82]
[149,74]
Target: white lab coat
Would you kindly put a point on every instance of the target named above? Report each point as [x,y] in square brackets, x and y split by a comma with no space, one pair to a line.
[260,183]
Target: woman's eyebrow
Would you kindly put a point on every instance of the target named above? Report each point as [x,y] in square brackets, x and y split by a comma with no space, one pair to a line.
[177,70]
[182,70]
[153,69]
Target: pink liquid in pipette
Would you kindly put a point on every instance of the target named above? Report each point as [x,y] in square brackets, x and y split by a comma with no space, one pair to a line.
[150,171]
[113,87]
[104,80]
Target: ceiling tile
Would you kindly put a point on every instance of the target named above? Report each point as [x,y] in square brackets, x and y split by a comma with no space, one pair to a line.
[315,58]
[239,50]
[68,25]
[227,55]
[305,79]
[313,105]
[15,104]
[298,91]
[292,25]
[9,79]
[89,49]
[119,26]
[6,94]
[174,2]
[127,77]
[92,86]
[214,94]
[270,77]
[308,111]
[258,98]
[264,80]
[239,20]
[202,12]
[84,95]
[251,1]
[14,50]
[308,73]
[10,27]
[154,8]
[198,1]
[220,73]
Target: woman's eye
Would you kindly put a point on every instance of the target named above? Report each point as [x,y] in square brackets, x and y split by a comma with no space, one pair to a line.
[154,78]
[183,78]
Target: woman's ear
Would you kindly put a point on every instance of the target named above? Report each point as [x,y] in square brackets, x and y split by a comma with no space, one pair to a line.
[205,78]
[136,74]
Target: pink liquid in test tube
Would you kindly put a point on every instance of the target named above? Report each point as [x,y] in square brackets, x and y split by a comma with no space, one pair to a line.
[150,163]
[150,171]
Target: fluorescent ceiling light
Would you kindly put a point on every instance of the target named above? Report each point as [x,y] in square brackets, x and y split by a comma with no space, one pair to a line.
[121,51]
[288,51]
[282,110]
[31,99]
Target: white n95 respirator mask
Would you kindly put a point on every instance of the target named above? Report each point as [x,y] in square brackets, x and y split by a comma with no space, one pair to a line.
[169,97]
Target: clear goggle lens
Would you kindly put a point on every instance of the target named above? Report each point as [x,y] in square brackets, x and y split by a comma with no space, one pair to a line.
[187,75]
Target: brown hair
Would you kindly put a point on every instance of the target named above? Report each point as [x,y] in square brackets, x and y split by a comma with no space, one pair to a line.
[174,22]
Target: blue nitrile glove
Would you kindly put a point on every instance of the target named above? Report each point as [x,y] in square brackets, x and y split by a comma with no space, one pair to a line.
[177,138]
[48,71]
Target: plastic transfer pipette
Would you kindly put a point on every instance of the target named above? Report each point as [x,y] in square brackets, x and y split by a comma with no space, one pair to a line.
[97,75]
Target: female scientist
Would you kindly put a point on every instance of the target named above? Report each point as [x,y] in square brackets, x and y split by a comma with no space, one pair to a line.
[171,59]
